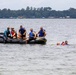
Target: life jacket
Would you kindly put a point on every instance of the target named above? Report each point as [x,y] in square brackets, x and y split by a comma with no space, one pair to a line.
[31,35]
[13,33]
[41,33]
[22,30]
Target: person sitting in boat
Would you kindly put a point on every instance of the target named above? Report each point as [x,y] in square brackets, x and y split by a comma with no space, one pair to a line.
[13,33]
[7,33]
[32,35]
[22,33]
[42,32]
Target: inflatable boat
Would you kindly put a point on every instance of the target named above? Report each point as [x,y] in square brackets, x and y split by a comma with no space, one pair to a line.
[38,40]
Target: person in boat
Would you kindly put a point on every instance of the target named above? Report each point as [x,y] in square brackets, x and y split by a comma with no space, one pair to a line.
[41,32]
[13,33]
[22,33]
[7,33]
[32,35]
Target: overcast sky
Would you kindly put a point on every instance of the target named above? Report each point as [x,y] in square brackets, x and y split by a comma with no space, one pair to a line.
[54,4]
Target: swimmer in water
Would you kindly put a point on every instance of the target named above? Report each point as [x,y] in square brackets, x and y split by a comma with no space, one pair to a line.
[63,43]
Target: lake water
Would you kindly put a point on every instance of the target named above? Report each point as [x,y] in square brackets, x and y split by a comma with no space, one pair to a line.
[49,59]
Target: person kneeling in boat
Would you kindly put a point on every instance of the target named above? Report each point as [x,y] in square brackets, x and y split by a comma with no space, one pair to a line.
[32,35]
[22,33]
[7,33]
[42,32]
[13,33]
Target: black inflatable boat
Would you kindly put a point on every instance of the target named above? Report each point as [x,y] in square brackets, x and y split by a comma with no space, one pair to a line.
[39,40]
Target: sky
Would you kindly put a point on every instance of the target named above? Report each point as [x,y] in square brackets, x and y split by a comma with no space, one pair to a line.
[54,4]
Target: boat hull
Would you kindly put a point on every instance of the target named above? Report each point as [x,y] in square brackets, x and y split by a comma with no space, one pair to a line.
[20,41]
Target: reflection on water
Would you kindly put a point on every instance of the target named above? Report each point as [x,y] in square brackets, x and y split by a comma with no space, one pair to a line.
[46,59]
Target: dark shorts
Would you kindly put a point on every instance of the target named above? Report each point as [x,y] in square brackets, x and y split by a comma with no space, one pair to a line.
[22,36]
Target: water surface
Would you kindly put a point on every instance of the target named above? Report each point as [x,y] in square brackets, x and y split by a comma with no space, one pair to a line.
[49,59]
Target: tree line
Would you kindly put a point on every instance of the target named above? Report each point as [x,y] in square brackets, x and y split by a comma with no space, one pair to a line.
[42,12]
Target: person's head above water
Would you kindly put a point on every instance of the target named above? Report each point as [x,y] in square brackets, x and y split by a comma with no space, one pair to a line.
[66,42]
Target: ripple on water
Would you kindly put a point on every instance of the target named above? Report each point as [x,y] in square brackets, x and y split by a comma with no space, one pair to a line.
[49,59]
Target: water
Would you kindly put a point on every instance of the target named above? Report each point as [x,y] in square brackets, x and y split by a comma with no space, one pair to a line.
[48,59]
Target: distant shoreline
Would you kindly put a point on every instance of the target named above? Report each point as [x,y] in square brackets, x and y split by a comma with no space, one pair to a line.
[38,13]
[37,18]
